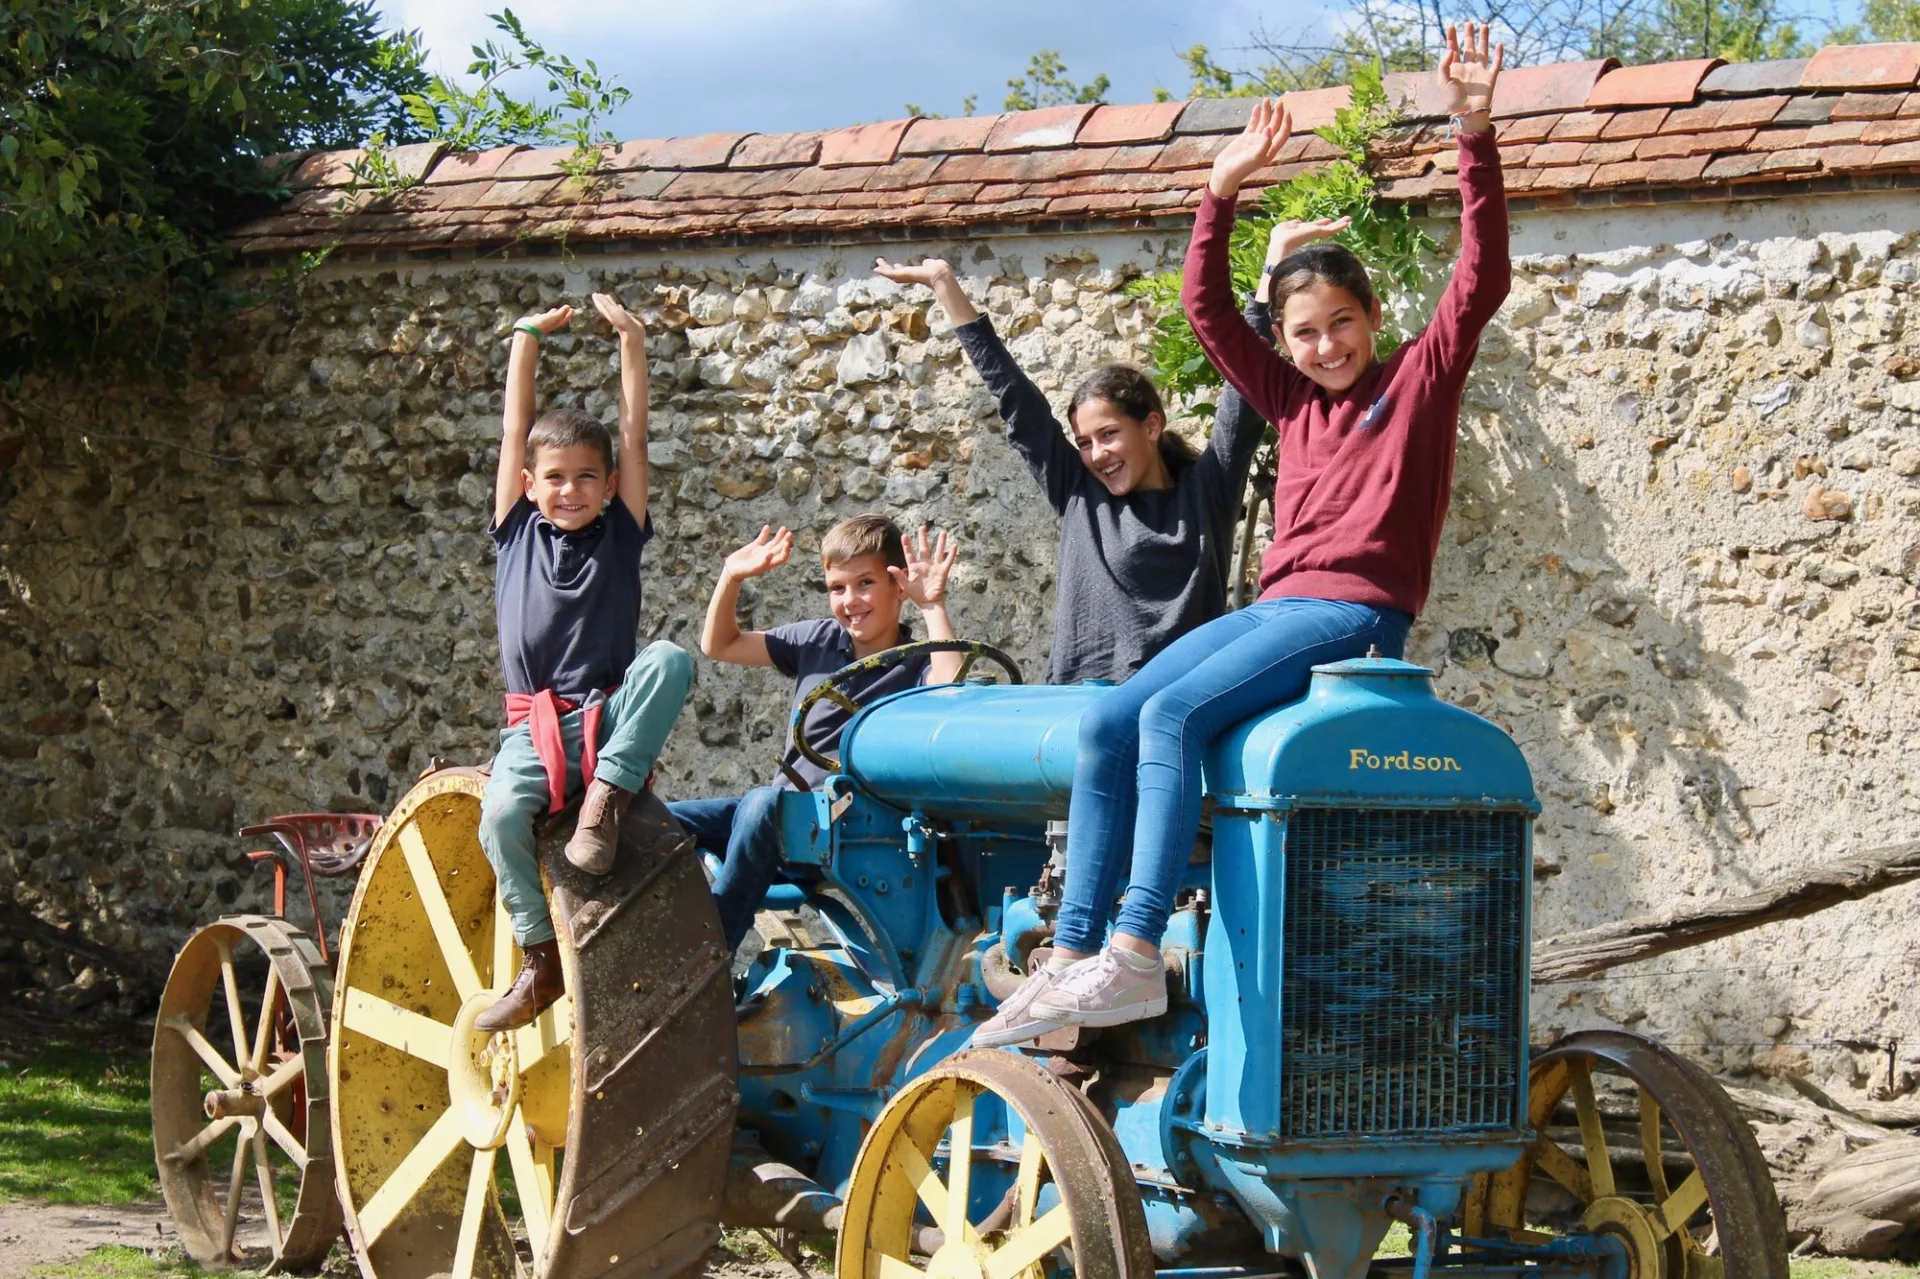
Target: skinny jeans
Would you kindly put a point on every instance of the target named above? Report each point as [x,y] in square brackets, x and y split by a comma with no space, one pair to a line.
[633,727]
[743,832]
[1137,779]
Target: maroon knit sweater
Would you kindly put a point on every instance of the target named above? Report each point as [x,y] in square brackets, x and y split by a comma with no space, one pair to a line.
[1365,475]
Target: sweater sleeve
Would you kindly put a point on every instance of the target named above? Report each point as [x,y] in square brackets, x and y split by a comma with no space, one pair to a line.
[1237,427]
[1250,365]
[1483,274]
[1032,429]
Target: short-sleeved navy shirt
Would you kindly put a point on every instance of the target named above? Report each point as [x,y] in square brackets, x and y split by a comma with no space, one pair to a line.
[567,604]
[809,652]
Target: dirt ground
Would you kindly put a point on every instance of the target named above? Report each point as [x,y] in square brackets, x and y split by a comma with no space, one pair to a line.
[39,1234]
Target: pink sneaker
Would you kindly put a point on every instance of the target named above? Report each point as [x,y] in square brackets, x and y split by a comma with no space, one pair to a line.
[1103,991]
[1015,1023]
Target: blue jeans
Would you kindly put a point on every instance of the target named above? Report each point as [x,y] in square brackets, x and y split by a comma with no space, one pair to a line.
[1142,747]
[744,832]
[633,727]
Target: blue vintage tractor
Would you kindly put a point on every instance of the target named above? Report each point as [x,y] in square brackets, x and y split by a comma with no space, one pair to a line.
[1346,1043]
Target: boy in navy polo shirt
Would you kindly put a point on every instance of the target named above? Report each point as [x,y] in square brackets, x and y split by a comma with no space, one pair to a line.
[871,572]
[568,526]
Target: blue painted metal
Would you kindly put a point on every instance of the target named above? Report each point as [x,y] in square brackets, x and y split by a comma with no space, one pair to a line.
[1347,1015]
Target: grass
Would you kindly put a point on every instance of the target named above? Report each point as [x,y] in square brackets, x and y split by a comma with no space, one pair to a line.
[119,1262]
[74,1128]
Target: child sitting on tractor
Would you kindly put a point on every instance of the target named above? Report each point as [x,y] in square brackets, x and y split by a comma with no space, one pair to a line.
[871,571]
[582,709]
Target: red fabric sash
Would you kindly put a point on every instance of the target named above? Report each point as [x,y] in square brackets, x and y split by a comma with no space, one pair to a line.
[545,708]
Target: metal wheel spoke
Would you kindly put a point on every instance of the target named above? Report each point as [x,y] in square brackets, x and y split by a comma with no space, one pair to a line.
[446,931]
[283,1138]
[396,1027]
[1026,1246]
[552,1029]
[236,1019]
[263,1175]
[895,1268]
[920,1174]
[953,1222]
[1563,1168]
[263,1028]
[533,1183]
[473,1214]
[503,969]
[406,1181]
[209,1055]
[1592,1135]
[192,1149]
[1028,1182]
[1683,1203]
[282,1075]
[230,1221]
[1650,1145]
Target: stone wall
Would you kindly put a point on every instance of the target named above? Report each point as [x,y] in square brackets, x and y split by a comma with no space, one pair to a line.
[1680,566]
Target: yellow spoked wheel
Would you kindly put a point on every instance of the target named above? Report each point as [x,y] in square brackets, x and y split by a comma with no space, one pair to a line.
[1640,1144]
[987,1167]
[239,1105]
[592,1142]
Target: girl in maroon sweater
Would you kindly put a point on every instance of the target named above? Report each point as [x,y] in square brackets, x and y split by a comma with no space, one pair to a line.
[1366,467]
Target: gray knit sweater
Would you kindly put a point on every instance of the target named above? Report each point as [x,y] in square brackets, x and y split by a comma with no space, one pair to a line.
[1139,571]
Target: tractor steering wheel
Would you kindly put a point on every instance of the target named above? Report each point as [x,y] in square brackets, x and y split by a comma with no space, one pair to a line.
[830,689]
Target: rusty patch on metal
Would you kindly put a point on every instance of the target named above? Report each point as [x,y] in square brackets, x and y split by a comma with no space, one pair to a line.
[631,1174]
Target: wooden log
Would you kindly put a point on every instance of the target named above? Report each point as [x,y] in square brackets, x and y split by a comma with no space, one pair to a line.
[1865,1201]
[1595,950]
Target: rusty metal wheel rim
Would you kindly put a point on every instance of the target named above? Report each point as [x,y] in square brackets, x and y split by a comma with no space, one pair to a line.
[1720,1220]
[1097,1224]
[216,1077]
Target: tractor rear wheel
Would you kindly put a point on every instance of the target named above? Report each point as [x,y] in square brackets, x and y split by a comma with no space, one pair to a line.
[614,1109]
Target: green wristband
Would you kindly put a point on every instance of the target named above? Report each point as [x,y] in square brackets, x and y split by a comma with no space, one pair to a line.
[529,328]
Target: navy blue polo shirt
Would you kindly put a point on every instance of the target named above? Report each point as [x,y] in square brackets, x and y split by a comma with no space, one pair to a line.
[567,604]
[809,652]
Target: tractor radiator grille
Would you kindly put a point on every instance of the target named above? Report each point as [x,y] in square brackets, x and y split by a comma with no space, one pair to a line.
[1403,991]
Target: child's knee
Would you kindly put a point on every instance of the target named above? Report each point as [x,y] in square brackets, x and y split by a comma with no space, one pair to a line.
[504,823]
[668,664]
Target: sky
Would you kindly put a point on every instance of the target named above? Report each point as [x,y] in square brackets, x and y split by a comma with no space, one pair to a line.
[774,66]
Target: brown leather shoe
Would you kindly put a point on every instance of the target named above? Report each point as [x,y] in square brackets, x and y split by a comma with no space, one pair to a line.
[597,834]
[540,983]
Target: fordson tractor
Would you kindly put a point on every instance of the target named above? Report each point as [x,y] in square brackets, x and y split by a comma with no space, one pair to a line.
[1345,1046]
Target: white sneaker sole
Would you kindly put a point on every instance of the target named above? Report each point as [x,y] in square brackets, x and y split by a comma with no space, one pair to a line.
[1105,1016]
[1016,1034]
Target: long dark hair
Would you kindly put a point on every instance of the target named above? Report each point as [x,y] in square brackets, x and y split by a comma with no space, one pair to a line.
[1321,264]
[1134,394]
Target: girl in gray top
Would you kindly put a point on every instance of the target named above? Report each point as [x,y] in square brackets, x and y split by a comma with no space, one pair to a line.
[1146,527]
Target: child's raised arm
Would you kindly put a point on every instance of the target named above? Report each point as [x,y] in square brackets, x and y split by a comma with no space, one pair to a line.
[721,637]
[924,579]
[1483,273]
[938,276]
[517,418]
[633,404]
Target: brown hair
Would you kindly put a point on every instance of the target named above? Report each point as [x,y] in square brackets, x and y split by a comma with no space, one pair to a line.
[564,428]
[1321,264]
[863,535]
[1134,394]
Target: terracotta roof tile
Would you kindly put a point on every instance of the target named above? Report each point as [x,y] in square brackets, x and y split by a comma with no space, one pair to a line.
[470,166]
[862,144]
[325,169]
[1728,168]
[1880,132]
[1578,175]
[643,184]
[1191,153]
[1558,86]
[902,175]
[1625,173]
[1410,166]
[543,162]
[1659,84]
[1678,169]
[516,195]
[1528,128]
[1740,111]
[1665,144]
[1609,152]
[1708,115]
[1868,106]
[1634,124]
[1515,157]
[1045,127]
[1548,154]
[1817,109]
[1416,95]
[1898,153]
[776,151]
[1125,159]
[1736,79]
[699,151]
[1824,135]
[1148,122]
[1863,66]
[1214,115]
[1579,126]
[1848,158]
[1315,108]
[1794,160]
[946,137]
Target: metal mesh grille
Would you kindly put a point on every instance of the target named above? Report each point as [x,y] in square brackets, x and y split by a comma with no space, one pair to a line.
[1402,1000]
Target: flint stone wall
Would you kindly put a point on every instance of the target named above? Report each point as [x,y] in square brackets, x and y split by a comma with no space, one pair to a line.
[1680,566]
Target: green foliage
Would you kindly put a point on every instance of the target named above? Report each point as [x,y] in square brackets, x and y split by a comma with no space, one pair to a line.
[1396,251]
[1046,85]
[74,1128]
[488,116]
[1892,20]
[967,104]
[133,134]
[1737,30]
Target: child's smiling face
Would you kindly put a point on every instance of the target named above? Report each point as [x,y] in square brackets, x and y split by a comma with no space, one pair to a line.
[1329,334]
[1122,452]
[865,599]
[569,483]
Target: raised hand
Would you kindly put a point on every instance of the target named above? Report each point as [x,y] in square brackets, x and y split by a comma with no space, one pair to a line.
[1290,237]
[929,272]
[548,321]
[924,579]
[624,322]
[762,555]
[1469,70]
[1252,150]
